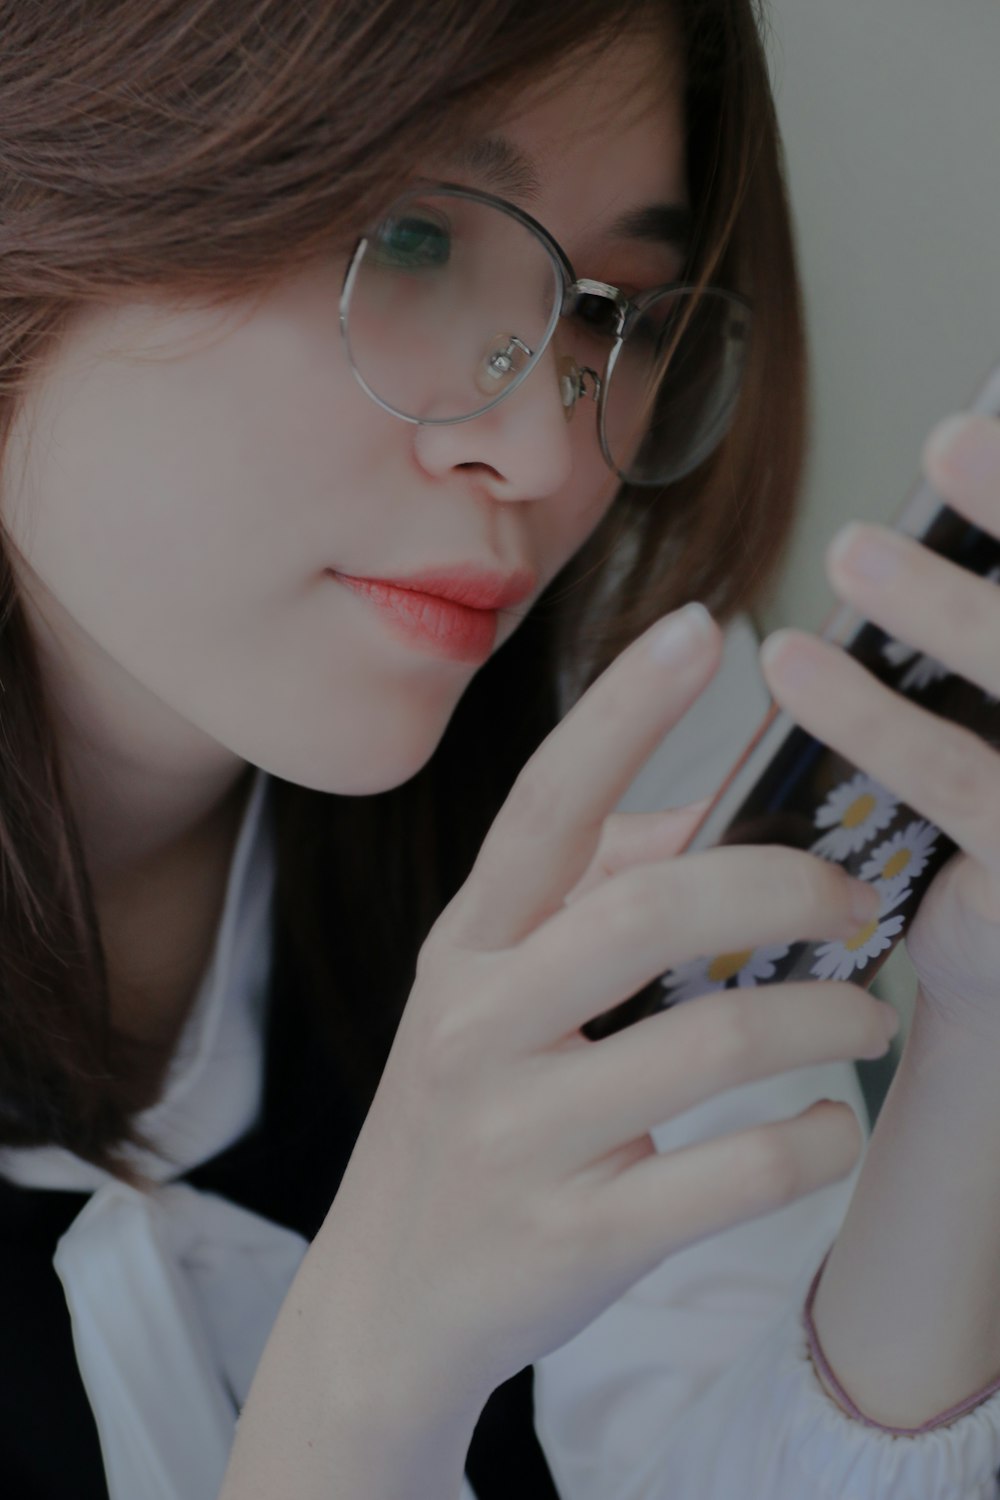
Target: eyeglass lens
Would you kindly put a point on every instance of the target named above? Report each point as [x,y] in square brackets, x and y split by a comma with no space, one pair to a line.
[673,387]
[452,299]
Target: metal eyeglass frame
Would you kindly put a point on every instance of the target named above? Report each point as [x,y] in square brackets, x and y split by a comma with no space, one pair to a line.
[573,381]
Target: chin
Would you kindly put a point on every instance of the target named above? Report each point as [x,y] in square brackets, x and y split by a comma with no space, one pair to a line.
[369,765]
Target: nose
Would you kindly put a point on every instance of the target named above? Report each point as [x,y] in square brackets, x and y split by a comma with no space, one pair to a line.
[521,448]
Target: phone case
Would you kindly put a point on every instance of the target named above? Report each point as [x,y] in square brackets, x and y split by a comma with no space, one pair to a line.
[789,788]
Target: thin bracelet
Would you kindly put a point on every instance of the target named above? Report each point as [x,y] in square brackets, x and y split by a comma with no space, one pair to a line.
[823,1365]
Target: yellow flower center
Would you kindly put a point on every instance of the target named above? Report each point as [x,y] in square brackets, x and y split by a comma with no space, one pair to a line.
[897,864]
[860,809]
[728,965]
[860,938]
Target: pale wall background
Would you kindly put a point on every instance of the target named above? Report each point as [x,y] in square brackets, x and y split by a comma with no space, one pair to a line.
[890,111]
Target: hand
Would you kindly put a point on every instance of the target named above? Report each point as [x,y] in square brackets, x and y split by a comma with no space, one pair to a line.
[945,772]
[504,1189]
[637,838]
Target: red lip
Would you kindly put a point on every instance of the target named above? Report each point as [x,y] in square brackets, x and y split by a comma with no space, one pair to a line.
[451,611]
[477,588]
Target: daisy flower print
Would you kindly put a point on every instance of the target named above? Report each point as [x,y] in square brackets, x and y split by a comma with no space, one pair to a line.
[854,813]
[842,957]
[702,975]
[903,854]
[921,670]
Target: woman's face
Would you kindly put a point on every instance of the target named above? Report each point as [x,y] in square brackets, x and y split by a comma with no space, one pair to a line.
[183,486]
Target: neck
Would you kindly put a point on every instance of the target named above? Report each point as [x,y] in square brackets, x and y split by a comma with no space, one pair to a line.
[158,925]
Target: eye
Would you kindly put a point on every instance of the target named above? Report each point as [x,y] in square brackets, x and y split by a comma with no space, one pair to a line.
[596,314]
[412,242]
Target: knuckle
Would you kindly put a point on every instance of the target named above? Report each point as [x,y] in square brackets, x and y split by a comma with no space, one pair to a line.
[729,1040]
[595,1235]
[453,1042]
[830,883]
[495,1139]
[824,885]
[957,772]
[629,907]
[818,891]
[801,881]
[434,948]
[534,801]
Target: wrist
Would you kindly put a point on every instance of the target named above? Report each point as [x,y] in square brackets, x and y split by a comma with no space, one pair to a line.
[399,1366]
[343,1403]
[945,1041]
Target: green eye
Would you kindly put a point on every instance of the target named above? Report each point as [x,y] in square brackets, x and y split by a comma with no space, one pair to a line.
[412,243]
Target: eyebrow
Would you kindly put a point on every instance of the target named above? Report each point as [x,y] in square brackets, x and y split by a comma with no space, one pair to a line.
[497,161]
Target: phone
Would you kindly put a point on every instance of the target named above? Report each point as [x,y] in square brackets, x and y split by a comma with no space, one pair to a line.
[789,788]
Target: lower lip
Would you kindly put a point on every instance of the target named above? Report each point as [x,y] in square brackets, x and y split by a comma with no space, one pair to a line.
[451,630]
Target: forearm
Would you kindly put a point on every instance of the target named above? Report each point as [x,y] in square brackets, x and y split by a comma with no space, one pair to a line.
[333,1412]
[908,1309]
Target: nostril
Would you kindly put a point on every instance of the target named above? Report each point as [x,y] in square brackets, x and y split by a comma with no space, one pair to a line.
[477,467]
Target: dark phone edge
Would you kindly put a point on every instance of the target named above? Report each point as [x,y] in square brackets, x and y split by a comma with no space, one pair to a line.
[915,518]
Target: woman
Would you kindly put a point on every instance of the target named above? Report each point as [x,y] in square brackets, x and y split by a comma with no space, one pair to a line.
[319,487]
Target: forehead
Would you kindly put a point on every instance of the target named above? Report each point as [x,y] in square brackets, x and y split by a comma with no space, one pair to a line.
[597,139]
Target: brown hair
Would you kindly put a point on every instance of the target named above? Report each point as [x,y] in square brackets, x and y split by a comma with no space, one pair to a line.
[206,147]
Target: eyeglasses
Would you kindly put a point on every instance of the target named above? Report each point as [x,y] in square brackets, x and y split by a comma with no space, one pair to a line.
[454,296]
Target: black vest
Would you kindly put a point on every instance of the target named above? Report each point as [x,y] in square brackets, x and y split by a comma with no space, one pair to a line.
[287,1168]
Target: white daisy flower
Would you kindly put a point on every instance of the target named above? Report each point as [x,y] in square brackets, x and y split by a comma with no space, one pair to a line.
[922,671]
[895,890]
[903,854]
[841,957]
[854,812]
[702,975]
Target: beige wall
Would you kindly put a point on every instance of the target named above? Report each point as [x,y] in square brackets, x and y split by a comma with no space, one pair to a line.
[890,111]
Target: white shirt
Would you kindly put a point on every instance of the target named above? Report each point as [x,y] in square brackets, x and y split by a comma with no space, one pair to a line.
[696,1385]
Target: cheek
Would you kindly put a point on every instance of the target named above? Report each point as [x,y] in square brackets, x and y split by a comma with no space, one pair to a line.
[567,519]
[244,459]
[177,506]
[593,488]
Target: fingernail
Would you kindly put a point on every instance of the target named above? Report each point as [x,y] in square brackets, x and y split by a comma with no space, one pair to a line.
[865,552]
[674,638]
[866,903]
[783,656]
[966,445]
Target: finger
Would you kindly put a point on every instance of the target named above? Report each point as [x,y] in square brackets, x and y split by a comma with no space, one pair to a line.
[546,832]
[636,838]
[674,1060]
[667,1201]
[962,460]
[920,598]
[610,943]
[944,771]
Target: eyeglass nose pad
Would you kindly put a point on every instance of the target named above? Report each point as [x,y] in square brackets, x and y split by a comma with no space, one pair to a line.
[570,383]
[505,357]
[573,383]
